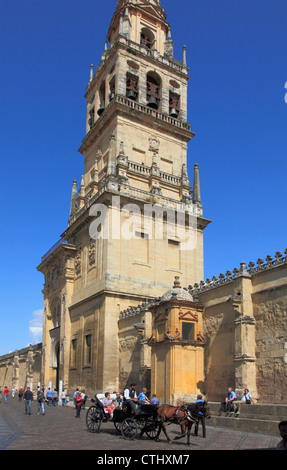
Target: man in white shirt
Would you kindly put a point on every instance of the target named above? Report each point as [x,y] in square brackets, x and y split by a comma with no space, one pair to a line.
[130,394]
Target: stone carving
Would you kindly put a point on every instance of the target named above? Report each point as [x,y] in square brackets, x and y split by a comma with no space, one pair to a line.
[92,253]
[154,144]
[78,262]
[128,344]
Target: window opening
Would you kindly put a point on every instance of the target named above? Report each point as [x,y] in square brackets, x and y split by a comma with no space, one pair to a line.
[188,331]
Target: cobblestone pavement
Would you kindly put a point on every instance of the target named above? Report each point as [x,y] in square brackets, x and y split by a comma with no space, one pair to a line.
[58,429]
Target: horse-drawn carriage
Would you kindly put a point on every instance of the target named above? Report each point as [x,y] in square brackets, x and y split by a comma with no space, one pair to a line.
[148,419]
[125,419]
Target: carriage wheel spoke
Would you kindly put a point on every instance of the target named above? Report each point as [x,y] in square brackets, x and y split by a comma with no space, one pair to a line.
[129,428]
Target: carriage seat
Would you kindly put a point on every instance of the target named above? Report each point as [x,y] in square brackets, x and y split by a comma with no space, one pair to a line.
[147,409]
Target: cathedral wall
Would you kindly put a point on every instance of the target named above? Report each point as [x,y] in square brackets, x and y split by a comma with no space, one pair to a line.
[270,310]
[21,367]
[218,330]
[129,352]
[86,346]
[229,320]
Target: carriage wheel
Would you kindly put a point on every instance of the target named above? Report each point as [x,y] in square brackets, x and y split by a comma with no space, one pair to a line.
[129,429]
[93,420]
[152,433]
[118,426]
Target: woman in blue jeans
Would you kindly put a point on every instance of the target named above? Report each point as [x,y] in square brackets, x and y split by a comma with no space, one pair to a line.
[41,399]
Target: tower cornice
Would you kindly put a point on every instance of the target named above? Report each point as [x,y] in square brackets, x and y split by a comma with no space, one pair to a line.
[122,105]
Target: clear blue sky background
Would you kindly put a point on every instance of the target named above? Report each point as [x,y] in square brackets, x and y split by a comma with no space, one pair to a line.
[236,51]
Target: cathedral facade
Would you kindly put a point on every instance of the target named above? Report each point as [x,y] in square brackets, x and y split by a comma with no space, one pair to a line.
[124,296]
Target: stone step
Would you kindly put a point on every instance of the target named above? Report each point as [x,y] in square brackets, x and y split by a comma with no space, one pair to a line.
[259,418]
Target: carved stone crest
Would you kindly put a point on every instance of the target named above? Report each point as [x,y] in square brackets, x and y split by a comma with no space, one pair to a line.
[154,144]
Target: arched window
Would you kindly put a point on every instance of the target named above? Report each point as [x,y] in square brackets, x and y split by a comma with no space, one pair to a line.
[102,97]
[147,38]
[174,104]
[153,90]
[56,315]
[132,86]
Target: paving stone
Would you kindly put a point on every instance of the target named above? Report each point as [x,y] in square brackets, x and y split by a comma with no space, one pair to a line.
[59,429]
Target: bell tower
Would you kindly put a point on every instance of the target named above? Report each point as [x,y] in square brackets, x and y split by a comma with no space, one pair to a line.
[136,125]
[138,97]
[135,158]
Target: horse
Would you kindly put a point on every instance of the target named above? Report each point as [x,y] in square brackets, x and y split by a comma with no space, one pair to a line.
[199,411]
[177,415]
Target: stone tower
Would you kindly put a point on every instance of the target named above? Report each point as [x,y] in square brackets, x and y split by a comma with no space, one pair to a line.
[133,222]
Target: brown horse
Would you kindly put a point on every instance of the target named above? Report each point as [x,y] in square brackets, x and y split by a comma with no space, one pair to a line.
[177,415]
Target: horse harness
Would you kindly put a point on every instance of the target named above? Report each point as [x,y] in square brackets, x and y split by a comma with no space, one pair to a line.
[187,414]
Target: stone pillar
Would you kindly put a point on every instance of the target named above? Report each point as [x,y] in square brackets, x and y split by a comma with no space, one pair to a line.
[30,368]
[15,378]
[244,334]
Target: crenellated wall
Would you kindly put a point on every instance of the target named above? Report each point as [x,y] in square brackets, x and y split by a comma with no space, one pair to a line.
[246,330]
[21,368]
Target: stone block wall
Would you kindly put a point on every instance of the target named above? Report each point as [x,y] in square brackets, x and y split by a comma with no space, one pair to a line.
[246,330]
[22,367]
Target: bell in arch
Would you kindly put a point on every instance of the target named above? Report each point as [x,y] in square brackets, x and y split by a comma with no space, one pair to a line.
[101,108]
[152,102]
[173,113]
[132,94]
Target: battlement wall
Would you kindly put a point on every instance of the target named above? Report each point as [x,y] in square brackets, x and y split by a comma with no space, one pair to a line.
[246,330]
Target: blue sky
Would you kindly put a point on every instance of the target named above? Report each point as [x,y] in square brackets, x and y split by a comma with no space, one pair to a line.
[236,51]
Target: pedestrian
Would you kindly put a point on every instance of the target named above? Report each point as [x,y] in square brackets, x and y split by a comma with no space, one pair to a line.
[79,401]
[49,396]
[20,393]
[63,397]
[41,400]
[75,397]
[84,396]
[13,392]
[0,394]
[54,397]
[6,391]
[282,445]
[200,418]
[28,397]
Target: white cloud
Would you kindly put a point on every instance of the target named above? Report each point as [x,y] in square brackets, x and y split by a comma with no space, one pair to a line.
[36,326]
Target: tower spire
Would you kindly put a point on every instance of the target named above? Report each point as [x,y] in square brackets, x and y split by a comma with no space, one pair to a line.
[196,186]
[73,198]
